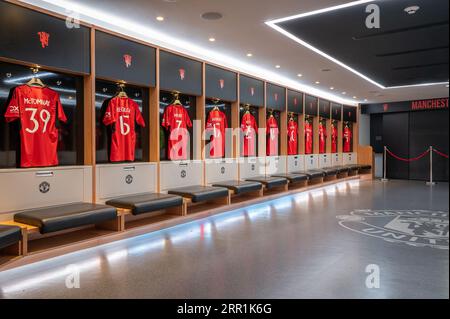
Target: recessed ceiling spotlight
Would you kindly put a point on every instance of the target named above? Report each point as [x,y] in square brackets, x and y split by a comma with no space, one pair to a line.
[412,9]
[278,66]
[446,86]
[317,82]
[355,97]
[160,18]
[365,100]
[249,55]
[212,16]
[212,39]
[332,88]
[344,93]
[299,75]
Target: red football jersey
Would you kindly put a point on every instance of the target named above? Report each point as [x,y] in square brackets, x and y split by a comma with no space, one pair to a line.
[176,118]
[216,126]
[37,109]
[308,138]
[292,137]
[273,133]
[250,129]
[322,138]
[123,112]
[334,137]
[347,139]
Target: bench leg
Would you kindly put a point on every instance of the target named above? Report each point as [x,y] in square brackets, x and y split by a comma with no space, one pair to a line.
[184,209]
[117,224]
[177,210]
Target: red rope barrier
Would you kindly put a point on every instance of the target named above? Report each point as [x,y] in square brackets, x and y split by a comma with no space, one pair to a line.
[440,153]
[408,159]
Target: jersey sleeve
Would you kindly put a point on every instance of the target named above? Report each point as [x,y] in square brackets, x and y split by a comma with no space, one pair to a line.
[166,117]
[225,122]
[209,124]
[61,115]
[139,118]
[255,127]
[110,116]
[13,110]
[188,120]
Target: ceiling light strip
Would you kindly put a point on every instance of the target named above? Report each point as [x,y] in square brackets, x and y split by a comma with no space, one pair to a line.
[129,28]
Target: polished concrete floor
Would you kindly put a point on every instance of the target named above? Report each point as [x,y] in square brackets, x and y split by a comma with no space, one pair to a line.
[308,245]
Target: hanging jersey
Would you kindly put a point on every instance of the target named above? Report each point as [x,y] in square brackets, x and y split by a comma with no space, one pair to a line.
[322,138]
[292,138]
[123,113]
[37,108]
[347,140]
[176,120]
[250,130]
[216,126]
[334,137]
[308,138]
[272,132]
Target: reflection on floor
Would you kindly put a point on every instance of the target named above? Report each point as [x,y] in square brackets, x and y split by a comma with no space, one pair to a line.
[293,247]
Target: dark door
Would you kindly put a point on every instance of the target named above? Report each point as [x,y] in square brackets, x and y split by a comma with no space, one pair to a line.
[428,129]
[395,137]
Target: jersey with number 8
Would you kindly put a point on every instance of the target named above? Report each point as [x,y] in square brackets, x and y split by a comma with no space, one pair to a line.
[37,108]
[123,112]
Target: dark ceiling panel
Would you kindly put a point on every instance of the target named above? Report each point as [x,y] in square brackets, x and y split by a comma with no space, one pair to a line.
[405,50]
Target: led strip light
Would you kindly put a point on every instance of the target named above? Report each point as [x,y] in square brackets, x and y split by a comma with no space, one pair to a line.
[129,28]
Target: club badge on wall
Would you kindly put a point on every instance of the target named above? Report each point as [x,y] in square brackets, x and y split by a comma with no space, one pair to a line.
[252,91]
[276,96]
[44,38]
[222,83]
[295,101]
[385,107]
[128,60]
[182,74]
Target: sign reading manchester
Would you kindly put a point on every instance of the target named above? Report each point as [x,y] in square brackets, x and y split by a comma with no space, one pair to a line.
[420,105]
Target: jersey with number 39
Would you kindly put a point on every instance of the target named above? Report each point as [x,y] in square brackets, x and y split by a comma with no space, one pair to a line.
[176,118]
[123,112]
[37,109]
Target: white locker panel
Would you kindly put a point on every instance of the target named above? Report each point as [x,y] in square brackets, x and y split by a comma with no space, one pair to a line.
[275,165]
[115,180]
[350,158]
[296,163]
[252,167]
[221,170]
[336,159]
[325,160]
[311,162]
[39,187]
[181,174]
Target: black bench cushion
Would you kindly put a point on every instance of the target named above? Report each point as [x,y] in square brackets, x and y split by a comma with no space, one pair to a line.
[9,235]
[200,193]
[364,166]
[330,171]
[353,167]
[269,182]
[293,178]
[56,218]
[146,203]
[240,187]
[311,173]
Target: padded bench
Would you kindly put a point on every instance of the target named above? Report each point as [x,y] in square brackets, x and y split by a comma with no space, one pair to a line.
[201,194]
[10,239]
[57,218]
[294,179]
[330,172]
[146,203]
[312,174]
[270,183]
[241,187]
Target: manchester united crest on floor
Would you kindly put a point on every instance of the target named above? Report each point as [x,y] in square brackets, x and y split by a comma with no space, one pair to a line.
[420,228]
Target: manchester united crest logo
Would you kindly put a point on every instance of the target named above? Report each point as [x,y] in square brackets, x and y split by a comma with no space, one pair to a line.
[222,83]
[182,73]
[419,228]
[44,38]
[128,60]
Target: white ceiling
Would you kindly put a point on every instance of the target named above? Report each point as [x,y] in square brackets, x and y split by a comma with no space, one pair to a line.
[241,30]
